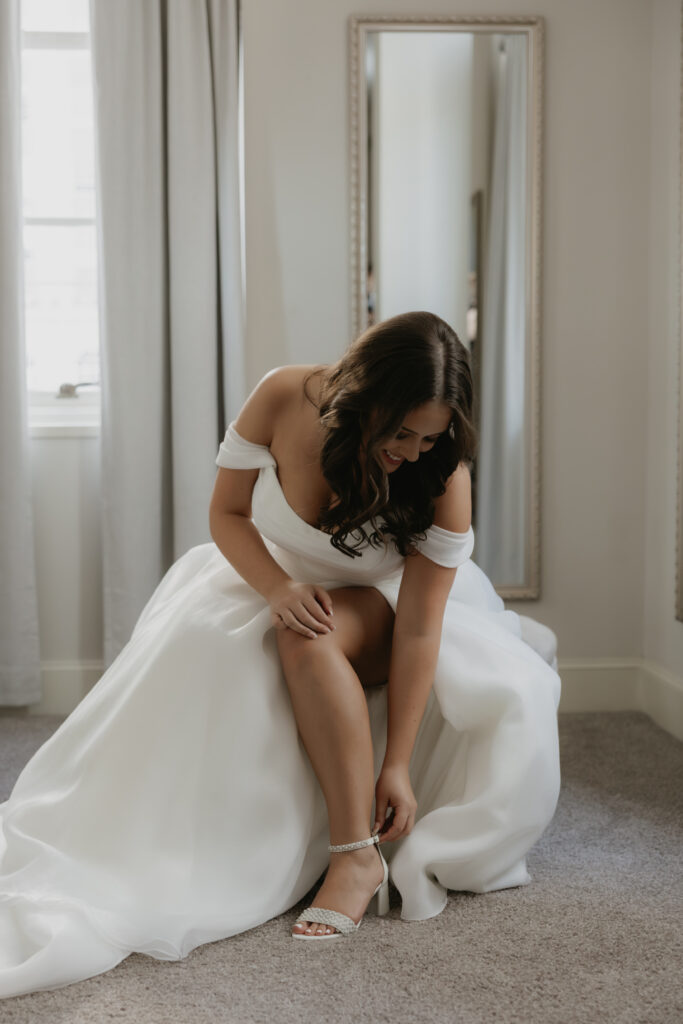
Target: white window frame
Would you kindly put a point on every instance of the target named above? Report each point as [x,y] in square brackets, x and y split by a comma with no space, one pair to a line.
[50,415]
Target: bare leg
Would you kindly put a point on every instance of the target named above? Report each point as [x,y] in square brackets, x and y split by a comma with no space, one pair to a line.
[332,717]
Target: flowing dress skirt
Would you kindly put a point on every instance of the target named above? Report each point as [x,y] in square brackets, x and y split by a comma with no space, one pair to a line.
[176,805]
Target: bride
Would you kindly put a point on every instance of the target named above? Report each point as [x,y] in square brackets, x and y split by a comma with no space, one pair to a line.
[335,648]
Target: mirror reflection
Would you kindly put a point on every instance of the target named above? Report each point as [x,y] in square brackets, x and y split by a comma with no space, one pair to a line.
[446,225]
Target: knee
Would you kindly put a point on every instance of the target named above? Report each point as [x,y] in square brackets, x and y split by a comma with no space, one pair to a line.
[296,650]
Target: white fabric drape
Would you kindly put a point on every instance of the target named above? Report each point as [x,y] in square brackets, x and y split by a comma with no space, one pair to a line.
[19,648]
[166,99]
[501,466]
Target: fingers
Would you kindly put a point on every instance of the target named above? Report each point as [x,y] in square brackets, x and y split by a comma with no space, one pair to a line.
[319,607]
[397,827]
[380,813]
[301,620]
[324,598]
[401,825]
[294,623]
[317,617]
[304,608]
[314,615]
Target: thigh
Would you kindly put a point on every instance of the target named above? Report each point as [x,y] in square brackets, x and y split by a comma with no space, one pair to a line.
[365,626]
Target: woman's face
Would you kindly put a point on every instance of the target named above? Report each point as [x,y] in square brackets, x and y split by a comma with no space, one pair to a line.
[418,433]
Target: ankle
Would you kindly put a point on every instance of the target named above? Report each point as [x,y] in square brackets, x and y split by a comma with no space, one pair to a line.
[340,838]
[364,857]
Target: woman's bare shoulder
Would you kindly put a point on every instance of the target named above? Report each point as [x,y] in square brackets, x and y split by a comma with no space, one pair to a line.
[278,391]
[300,384]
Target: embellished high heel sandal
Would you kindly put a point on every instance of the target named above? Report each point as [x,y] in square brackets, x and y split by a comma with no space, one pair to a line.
[379,901]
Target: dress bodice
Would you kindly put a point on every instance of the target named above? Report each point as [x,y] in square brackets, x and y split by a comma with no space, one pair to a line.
[275,519]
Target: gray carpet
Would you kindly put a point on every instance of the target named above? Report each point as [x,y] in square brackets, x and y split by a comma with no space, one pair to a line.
[595,938]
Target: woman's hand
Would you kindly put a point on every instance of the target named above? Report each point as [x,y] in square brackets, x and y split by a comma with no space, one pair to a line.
[394,790]
[304,607]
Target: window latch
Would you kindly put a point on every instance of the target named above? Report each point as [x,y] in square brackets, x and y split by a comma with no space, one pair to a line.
[71,390]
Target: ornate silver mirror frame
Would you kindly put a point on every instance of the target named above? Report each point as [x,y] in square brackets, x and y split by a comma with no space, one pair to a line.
[679,453]
[526,584]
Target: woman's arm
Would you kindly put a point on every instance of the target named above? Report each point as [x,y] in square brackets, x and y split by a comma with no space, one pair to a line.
[240,542]
[415,649]
[414,652]
[424,590]
[230,510]
[303,607]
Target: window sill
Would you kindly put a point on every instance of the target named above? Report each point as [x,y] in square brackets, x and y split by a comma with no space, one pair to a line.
[51,417]
[56,431]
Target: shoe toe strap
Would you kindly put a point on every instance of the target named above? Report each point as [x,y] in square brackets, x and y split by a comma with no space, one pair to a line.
[333,918]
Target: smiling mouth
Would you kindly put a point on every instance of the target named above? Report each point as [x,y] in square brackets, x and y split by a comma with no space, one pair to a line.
[390,458]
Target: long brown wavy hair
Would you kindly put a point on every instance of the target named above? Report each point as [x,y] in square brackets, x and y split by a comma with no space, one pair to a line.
[390,369]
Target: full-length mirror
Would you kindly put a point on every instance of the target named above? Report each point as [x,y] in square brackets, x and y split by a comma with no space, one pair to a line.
[679,490]
[446,124]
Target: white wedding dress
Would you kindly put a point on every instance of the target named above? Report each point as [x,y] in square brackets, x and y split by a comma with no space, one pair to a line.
[176,805]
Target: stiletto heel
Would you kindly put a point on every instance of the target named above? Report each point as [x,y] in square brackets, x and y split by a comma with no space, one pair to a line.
[379,901]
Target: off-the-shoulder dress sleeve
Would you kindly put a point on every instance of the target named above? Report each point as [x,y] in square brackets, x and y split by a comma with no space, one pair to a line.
[441,546]
[446,547]
[237,453]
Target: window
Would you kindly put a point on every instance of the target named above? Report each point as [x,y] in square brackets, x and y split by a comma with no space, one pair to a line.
[58,160]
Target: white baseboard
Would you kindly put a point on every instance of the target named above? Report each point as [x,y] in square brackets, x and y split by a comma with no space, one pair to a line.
[65,684]
[623,684]
[598,684]
[660,695]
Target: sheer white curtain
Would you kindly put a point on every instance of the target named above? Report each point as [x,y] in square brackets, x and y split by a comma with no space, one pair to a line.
[166,101]
[19,650]
[501,490]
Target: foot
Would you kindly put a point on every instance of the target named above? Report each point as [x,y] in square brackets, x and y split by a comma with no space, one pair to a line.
[351,879]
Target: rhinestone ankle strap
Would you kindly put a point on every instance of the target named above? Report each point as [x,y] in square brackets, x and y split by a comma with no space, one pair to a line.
[353,846]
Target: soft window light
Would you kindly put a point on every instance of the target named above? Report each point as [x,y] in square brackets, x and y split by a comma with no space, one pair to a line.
[58,169]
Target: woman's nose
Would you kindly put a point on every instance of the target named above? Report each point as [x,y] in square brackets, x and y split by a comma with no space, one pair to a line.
[412,451]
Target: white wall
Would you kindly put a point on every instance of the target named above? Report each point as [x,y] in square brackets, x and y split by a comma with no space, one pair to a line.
[66,480]
[609,355]
[595,266]
[66,489]
[656,409]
